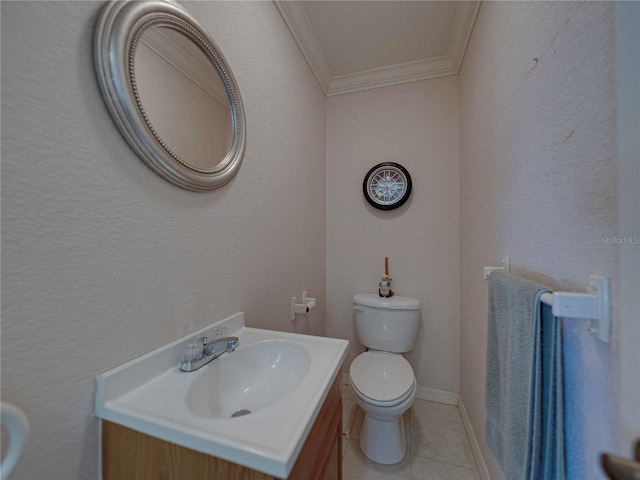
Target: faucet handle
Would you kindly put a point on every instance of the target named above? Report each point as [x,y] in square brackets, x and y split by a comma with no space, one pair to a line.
[193,350]
[232,343]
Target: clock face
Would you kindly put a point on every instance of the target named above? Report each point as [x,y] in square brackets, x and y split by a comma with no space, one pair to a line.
[387,186]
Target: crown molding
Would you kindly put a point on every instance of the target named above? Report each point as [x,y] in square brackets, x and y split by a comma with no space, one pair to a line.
[392,75]
[465,19]
[297,21]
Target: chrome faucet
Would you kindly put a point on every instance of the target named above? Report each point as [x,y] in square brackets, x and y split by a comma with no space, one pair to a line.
[197,353]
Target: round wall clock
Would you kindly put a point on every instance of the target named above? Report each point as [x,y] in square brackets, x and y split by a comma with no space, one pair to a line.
[387,186]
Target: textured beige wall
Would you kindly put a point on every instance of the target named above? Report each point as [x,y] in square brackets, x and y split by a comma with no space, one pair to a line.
[538,183]
[416,125]
[102,259]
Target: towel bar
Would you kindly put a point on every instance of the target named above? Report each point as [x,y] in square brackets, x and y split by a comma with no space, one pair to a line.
[594,306]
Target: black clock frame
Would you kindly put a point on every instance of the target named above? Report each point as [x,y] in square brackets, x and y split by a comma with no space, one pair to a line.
[401,200]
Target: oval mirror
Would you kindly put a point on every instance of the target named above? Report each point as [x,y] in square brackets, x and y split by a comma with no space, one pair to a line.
[170,92]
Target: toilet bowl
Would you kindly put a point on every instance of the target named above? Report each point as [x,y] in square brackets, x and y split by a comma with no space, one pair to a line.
[381,379]
[384,386]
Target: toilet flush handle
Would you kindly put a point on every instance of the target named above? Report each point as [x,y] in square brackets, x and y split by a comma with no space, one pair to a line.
[359,308]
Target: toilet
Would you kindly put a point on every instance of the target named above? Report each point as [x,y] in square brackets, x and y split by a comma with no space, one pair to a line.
[381,379]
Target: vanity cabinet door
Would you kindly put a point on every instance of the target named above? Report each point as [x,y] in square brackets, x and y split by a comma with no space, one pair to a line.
[333,462]
[131,455]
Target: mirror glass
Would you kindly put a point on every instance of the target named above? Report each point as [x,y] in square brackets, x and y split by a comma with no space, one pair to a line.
[170,92]
[183,97]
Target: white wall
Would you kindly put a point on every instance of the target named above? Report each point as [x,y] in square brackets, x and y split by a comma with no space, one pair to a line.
[102,259]
[538,183]
[416,125]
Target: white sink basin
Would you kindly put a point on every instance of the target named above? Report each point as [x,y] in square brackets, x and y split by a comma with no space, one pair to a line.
[249,379]
[281,378]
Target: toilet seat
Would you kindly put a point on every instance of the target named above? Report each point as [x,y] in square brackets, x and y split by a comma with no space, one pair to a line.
[383,379]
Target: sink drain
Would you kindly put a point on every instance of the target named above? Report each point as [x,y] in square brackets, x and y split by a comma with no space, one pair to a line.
[240,412]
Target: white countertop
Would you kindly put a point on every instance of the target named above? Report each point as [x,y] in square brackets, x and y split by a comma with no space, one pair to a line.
[148,394]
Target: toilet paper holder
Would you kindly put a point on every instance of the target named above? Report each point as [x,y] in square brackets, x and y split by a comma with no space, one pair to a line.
[307,304]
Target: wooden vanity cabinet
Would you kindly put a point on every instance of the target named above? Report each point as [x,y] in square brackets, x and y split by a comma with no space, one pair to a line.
[131,455]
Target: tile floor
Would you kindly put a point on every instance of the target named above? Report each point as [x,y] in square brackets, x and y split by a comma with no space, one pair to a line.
[437,444]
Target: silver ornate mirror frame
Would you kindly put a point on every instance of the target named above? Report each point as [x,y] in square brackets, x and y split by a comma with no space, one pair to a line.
[118,30]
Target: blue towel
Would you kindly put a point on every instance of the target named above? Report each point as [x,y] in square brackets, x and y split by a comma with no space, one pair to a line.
[524,383]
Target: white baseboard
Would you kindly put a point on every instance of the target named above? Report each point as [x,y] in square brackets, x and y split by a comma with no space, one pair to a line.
[475,447]
[435,395]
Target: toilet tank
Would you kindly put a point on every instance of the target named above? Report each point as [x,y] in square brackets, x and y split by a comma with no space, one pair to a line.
[386,324]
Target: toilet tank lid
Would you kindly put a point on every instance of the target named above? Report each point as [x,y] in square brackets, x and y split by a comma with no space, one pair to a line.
[395,303]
